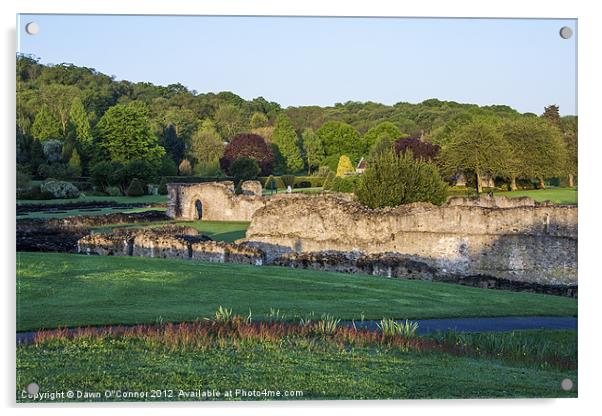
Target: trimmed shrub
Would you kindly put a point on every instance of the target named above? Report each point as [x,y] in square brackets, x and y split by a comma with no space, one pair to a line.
[60,189]
[113,191]
[391,180]
[163,187]
[136,188]
[344,166]
[185,168]
[288,180]
[347,184]
[327,184]
[244,169]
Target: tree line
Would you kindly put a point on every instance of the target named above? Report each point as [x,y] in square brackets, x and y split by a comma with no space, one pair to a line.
[71,119]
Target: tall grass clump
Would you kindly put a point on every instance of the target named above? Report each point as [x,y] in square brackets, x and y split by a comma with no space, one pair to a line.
[391,328]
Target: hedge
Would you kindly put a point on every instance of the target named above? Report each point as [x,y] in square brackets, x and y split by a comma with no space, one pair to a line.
[196,179]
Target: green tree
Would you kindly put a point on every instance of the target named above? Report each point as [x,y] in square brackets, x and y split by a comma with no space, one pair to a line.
[382,130]
[313,149]
[338,139]
[80,123]
[45,126]
[75,163]
[552,114]
[285,139]
[383,144]
[244,168]
[538,150]
[344,166]
[206,145]
[571,146]
[258,120]
[59,99]
[125,134]
[391,180]
[479,147]
[229,121]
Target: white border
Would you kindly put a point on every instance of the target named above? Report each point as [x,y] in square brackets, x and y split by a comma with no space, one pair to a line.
[589,156]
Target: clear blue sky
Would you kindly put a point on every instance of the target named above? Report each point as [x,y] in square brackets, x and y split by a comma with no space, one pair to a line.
[304,61]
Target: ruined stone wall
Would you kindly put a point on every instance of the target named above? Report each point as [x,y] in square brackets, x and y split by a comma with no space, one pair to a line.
[218,201]
[514,240]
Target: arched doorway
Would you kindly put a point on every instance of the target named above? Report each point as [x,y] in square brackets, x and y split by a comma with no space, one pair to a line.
[198,210]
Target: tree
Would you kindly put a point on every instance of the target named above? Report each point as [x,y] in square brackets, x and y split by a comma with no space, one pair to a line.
[45,126]
[206,146]
[80,124]
[184,122]
[538,150]
[285,139]
[338,139]
[59,99]
[391,180]
[229,121]
[344,166]
[381,130]
[313,149]
[419,148]
[251,146]
[75,163]
[185,168]
[174,146]
[125,134]
[571,146]
[479,147]
[552,114]
[244,169]
[258,120]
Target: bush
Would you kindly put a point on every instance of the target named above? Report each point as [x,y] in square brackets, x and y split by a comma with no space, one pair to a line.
[208,169]
[344,166]
[288,180]
[346,184]
[185,168]
[55,171]
[168,167]
[163,187]
[60,189]
[104,174]
[142,170]
[244,169]
[23,180]
[269,183]
[392,180]
[322,171]
[328,181]
[113,191]
[34,193]
[136,188]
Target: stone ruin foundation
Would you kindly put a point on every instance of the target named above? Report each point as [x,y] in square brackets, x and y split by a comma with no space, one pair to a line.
[173,242]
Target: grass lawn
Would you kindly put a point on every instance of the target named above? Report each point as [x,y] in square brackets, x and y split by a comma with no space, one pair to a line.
[145,199]
[87,212]
[55,289]
[557,195]
[228,231]
[301,366]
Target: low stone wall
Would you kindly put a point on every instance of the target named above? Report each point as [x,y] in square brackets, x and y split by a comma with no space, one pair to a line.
[401,266]
[168,242]
[515,240]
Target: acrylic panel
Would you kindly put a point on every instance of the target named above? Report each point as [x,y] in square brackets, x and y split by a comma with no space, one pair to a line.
[295,208]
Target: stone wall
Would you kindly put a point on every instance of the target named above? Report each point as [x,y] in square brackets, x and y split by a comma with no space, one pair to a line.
[516,240]
[218,202]
[172,242]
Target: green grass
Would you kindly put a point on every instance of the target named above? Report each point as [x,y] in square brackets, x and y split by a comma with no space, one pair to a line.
[82,212]
[73,290]
[145,199]
[320,367]
[228,231]
[557,195]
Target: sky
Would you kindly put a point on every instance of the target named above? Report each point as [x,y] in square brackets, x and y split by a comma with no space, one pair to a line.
[297,61]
